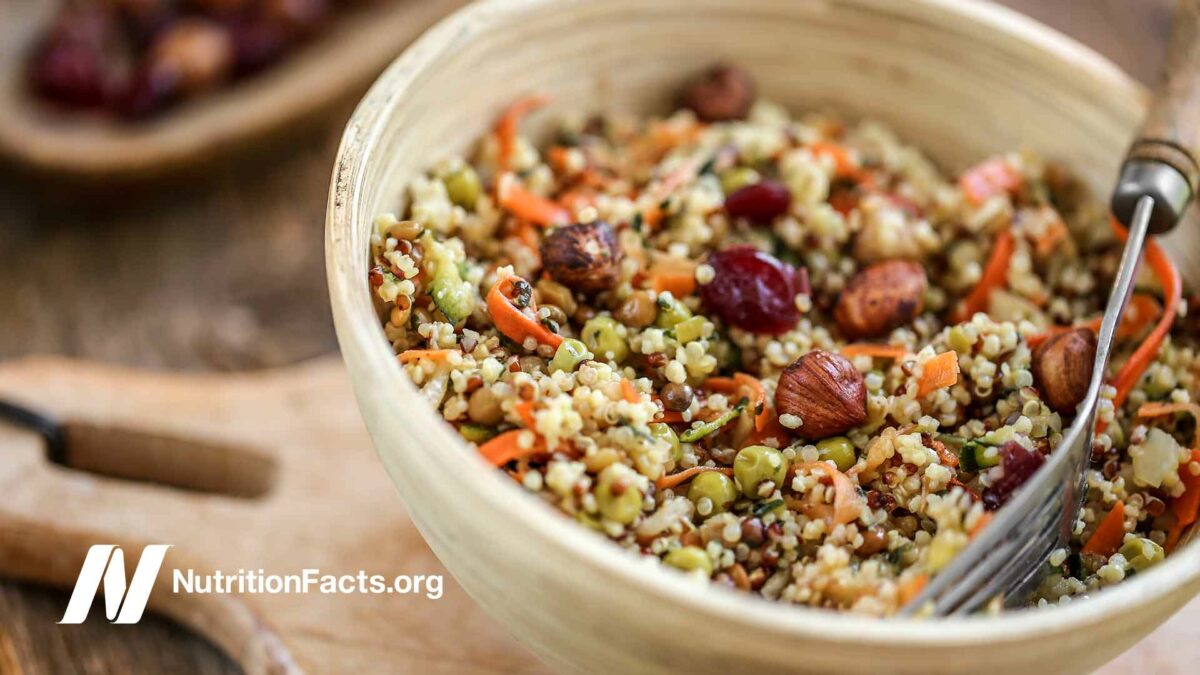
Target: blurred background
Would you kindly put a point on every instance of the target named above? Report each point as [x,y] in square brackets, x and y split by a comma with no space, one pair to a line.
[207,255]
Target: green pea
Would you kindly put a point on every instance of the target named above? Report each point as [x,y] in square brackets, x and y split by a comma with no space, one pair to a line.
[1141,553]
[462,185]
[602,335]
[689,329]
[717,488]
[569,355]
[737,177]
[671,312]
[958,340]
[617,495]
[689,558]
[664,432]
[757,464]
[840,450]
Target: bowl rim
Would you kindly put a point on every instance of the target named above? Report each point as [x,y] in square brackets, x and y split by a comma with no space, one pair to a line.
[364,346]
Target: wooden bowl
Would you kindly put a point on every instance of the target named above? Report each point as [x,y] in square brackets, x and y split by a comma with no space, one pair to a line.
[960,79]
[312,80]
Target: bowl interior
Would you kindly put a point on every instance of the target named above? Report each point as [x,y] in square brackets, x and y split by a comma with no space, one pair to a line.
[959,79]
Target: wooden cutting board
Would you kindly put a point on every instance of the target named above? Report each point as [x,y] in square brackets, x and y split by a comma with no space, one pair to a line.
[312,494]
[273,471]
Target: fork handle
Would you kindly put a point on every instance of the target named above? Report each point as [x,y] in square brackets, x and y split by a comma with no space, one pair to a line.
[1162,162]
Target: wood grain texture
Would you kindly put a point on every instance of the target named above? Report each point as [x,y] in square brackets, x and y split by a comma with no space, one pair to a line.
[329,507]
[223,271]
[1174,115]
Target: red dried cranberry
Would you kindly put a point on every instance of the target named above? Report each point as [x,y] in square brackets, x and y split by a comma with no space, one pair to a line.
[257,43]
[1018,464]
[760,203]
[69,72]
[752,290]
[149,91]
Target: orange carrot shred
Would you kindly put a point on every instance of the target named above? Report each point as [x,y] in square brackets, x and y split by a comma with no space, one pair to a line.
[524,410]
[1187,505]
[912,588]
[522,203]
[1172,287]
[506,127]
[676,479]
[982,522]
[939,372]
[877,351]
[844,165]
[1160,409]
[995,275]
[993,177]
[628,392]
[506,447]
[514,323]
[1109,534]
[410,355]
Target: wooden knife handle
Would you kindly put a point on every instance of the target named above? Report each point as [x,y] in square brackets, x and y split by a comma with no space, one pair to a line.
[1171,132]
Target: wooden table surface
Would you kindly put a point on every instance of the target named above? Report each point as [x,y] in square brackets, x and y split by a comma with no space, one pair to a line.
[224,271]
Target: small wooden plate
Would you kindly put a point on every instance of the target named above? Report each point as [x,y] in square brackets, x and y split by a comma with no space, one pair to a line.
[335,67]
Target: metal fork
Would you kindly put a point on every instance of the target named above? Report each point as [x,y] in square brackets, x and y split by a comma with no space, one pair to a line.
[1157,181]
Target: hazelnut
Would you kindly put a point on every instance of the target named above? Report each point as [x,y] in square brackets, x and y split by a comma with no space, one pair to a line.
[825,391]
[197,51]
[584,257]
[722,93]
[880,298]
[1062,368]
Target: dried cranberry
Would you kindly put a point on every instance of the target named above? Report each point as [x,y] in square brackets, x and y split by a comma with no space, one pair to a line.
[760,202]
[752,290]
[257,43]
[1017,464]
[149,91]
[69,72]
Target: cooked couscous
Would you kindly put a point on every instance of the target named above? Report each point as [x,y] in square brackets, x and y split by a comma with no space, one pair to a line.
[785,354]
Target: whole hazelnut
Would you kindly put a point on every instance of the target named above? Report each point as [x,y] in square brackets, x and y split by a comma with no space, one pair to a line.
[199,52]
[721,93]
[825,391]
[676,396]
[880,298]
[584,257]
[1062,368]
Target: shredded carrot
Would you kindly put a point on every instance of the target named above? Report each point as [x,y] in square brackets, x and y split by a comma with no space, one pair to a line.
[939,372]
[577,199]
[522,203]
[506,447]
[517,325]
[410,355]
[1056,232]
[524,410]
[982,522]
[844,165]
[1140,313]
[912,587]
[771,430]
[946,455]
[1187,505]
[676,275]
[737,383]
[995,275]
[877,351]
[1109,534]
[506,127]
[659,191]
[628,392]
[1160,409]
[676,479]
[993,177]
[847,502]
[1147,351]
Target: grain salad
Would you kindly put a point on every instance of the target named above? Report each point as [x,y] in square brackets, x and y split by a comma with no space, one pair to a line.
[786,354]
